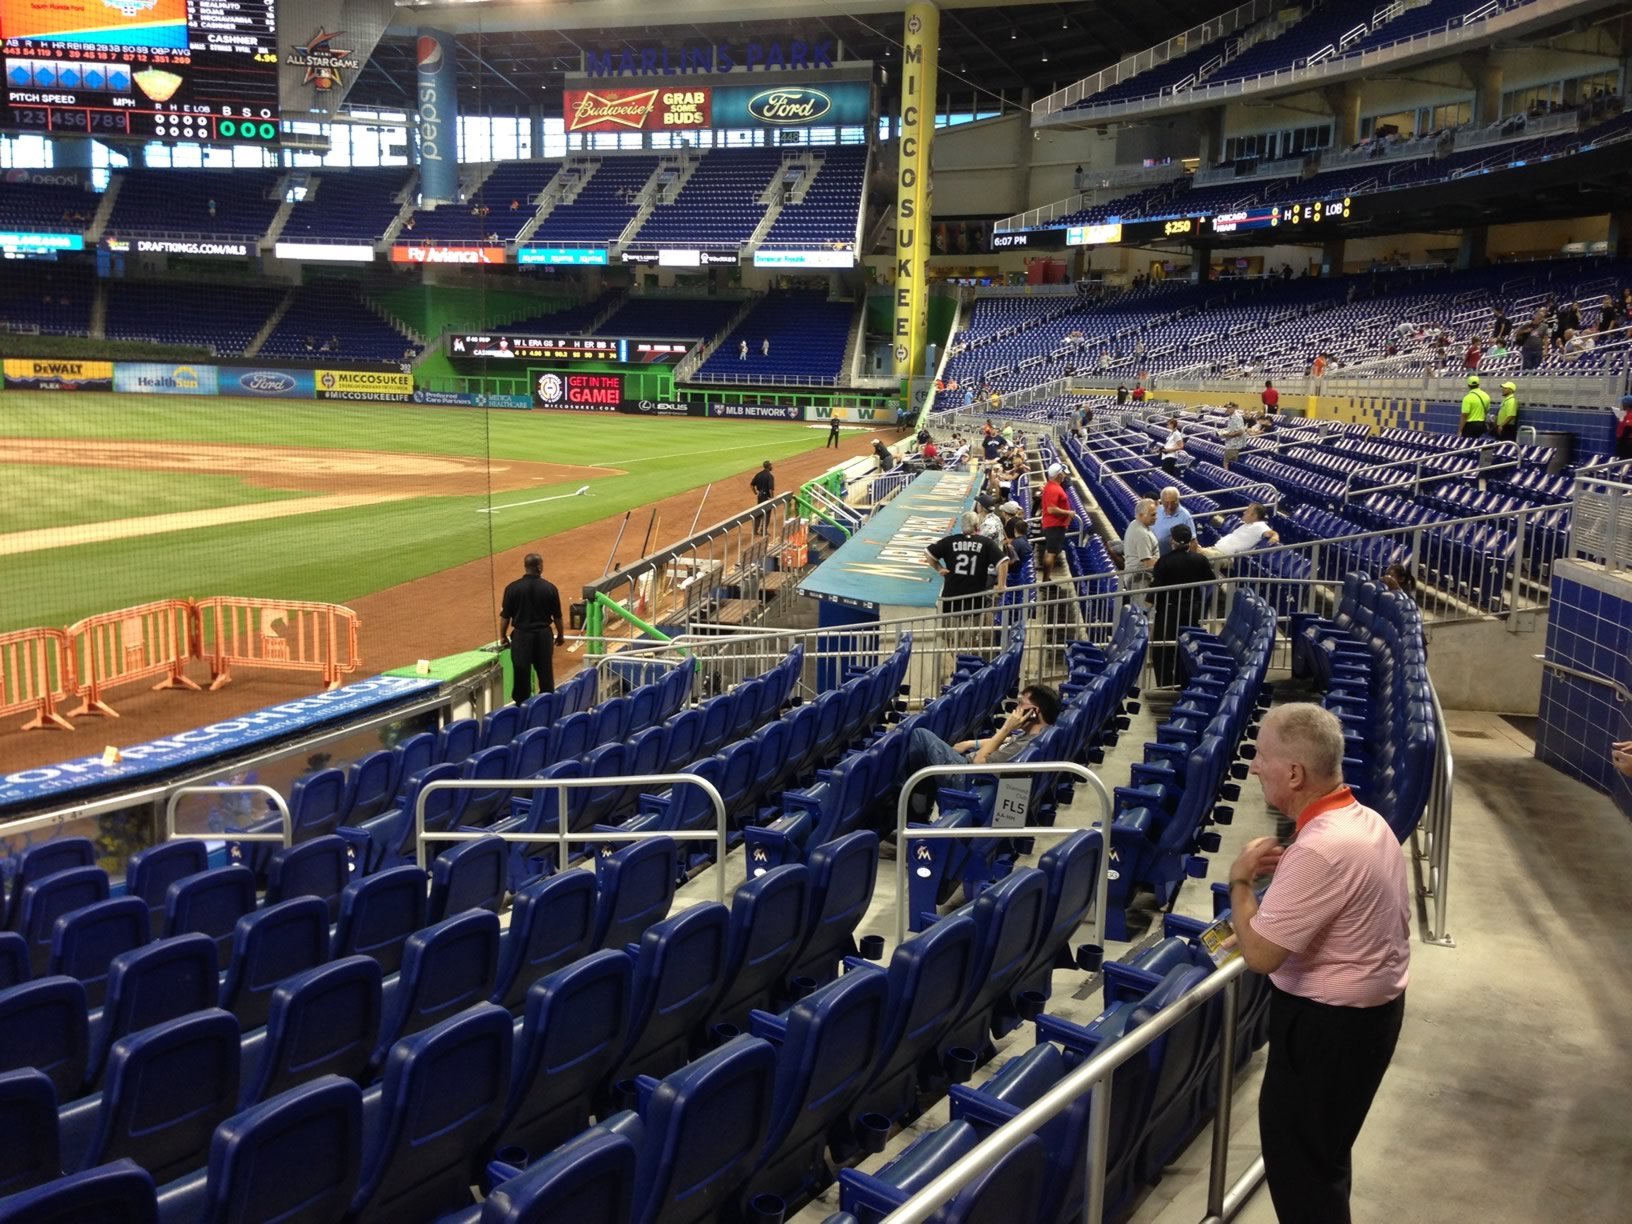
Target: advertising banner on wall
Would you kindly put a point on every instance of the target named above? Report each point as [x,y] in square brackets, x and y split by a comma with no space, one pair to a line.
[570,256]
[437,110]
[681,108]
[467,399]
[447,254]
[757,412]
[31,374]
[325,252]
[164,378]
[364,385]
[175,246]
[864,416]
[581,392]
[266,384]
[804,259]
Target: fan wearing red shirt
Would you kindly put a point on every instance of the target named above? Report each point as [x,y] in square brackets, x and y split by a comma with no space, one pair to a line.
[1057,516]
[1333,932]
[1270,396]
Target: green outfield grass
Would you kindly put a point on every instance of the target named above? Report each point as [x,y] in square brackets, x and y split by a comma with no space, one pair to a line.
[335,555]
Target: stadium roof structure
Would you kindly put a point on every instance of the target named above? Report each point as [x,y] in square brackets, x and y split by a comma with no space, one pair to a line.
[517,54]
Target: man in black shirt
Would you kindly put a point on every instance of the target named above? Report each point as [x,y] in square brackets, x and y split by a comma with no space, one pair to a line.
[1183,563]
[886,460]
[832,434]
[965,562]
[763,484]
[530,606]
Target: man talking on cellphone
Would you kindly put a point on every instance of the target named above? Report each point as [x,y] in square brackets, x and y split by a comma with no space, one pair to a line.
[1037,709]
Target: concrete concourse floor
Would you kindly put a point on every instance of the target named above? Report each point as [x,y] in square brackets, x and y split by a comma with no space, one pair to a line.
[1507,1100]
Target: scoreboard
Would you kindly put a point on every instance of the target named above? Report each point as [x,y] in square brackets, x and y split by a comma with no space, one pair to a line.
[202,70]
[620,349]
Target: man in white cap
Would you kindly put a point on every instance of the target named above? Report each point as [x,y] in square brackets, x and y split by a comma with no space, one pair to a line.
[1057,516]
[1015,537]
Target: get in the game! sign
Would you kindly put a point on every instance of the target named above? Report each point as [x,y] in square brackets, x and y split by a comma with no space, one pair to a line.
[582,392]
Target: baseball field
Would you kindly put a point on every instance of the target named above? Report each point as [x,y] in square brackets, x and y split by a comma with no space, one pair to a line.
[111,500]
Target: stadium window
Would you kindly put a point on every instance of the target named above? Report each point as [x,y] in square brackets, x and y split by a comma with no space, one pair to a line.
[555,138]
[824,136]
[852,135]
[26,153]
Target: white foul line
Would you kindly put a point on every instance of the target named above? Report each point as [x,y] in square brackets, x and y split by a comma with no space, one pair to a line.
[533,502]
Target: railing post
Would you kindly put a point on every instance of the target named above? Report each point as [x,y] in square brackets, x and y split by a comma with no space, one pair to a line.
[1219,1169]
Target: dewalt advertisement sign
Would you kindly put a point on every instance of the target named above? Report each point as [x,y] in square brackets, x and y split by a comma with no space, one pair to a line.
[43,374]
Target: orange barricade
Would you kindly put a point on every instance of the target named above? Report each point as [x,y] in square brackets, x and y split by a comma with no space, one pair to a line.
[796,546]
[285,635]
[113,648]
[36,671]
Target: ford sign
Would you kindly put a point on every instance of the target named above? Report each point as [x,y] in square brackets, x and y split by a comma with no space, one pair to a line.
[266,382]
[791,106]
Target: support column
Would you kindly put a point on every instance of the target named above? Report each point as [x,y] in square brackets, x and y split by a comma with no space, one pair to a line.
[1471,254]
[1201,261]
[1620,234]
[920,42]
[1331,256]
[1345,103]
[1210,126]
[1484,73]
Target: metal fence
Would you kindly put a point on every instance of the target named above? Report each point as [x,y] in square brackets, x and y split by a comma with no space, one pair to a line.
[1601,524]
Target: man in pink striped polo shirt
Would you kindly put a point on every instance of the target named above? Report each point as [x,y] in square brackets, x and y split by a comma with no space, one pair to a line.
[1333,932]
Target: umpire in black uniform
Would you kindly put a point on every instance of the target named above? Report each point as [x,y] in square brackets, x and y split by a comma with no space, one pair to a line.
[530,605]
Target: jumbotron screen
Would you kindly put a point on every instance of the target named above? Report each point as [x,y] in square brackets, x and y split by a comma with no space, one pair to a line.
[202,70]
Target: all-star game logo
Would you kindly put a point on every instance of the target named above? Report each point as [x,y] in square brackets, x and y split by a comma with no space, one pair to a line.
[323,61]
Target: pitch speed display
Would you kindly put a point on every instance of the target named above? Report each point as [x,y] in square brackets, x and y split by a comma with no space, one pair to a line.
[201,70]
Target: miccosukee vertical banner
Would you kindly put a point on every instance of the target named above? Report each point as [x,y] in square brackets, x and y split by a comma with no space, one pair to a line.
[437,110]
[919,47]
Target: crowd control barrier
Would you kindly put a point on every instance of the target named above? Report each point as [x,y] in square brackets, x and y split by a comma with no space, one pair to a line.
[131,644]
[316,637]
[36,672]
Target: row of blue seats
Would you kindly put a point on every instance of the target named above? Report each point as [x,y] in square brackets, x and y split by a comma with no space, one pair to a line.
[1371,660]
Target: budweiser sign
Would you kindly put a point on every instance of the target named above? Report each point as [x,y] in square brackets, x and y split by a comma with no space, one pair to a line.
[638,110]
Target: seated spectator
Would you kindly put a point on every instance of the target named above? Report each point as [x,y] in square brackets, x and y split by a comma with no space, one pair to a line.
[1170,512]
[1185,563]
[1253,529]
[1398,577]
[1037,710]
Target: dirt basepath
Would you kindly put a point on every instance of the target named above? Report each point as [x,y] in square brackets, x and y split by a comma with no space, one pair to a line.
[437,615]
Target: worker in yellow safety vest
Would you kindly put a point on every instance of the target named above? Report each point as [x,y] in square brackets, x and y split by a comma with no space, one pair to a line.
[1475,406]
[1507,417]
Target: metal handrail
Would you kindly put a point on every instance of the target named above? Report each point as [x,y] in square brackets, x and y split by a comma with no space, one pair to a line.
[1095,1074]
[1102,891]
[563,837]
[1437,818]
[285,838]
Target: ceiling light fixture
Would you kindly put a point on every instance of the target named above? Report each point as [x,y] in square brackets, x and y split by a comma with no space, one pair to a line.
[1013,33]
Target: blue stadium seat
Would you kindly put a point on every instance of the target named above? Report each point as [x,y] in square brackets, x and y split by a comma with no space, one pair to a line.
[14,966]
[268,946]
[85,941]
[116,1193]
[325,1021]
[1010,1190]
[295,1157]
[552,922]
[50,857]
[530,753]
[316,803]
[501,726]
[378,913]
[318,868]
[1071,870]
[445,969]
[677,978]
[165,980]
[42,902]
[28,1120]
[167,1089]
[591,1179]
[636,888]
[457,741]
[1008,916]
[466,876]
[370,786]
[768,916]
[697,1131]
[842,874]
[437,1104]
[827,1045]
[414,756]
[210,903]
[150,872]
[477,807]
[575,1024]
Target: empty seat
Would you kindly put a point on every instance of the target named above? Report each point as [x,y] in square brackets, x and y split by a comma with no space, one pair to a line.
[48,858]
[316,803]
[43,1026]
[325,1021]
[210,903]
[14,967]
[117,1193]
[85,941]
[636,886]
[370,786]
[445,969]
[677,977]
[552,922]
[1008,1191]
[318,868]
[166,979]
[378,913]
[295,1157]
[150,872]
[470,875]
[438,1102]
[268,946]
[842,874]
[28,1120]
[167,1089]
[42,902]
[1007,917]
[590,1179]
[575,1024]
[457,740]
[768,916]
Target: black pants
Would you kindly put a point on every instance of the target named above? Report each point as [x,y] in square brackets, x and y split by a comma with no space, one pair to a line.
[1324,1067]
[832,440]
[531,650]
[1508,432]
[1472,429]
[760,518]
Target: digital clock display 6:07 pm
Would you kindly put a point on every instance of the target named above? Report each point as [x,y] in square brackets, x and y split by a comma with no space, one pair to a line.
[196,70]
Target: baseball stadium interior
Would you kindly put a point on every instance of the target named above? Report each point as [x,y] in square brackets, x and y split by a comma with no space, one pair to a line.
[1093,379]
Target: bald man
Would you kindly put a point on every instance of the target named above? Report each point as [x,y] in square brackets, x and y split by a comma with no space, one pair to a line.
[1333,932]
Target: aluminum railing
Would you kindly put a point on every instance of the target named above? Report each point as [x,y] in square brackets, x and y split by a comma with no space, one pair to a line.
[285,837]
[1431,839]
[1601,521]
